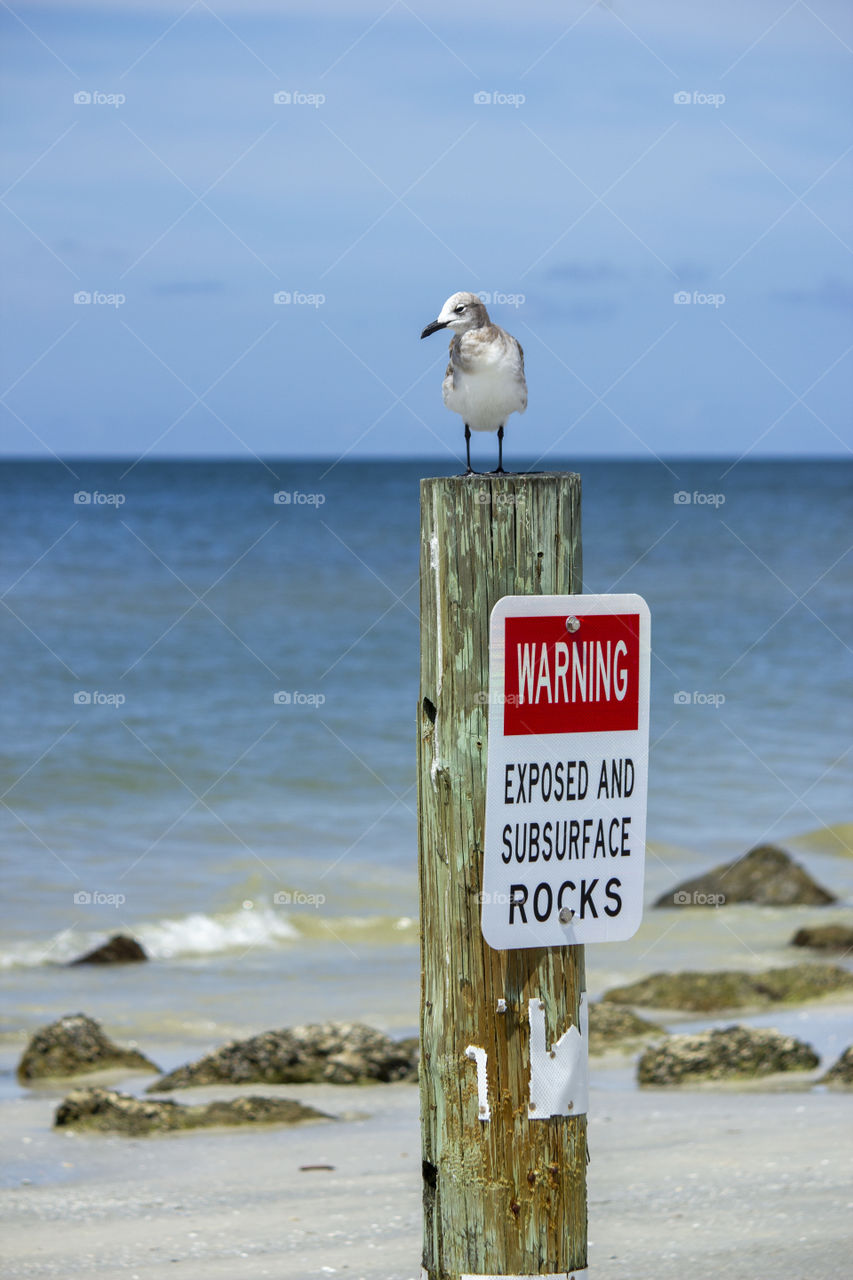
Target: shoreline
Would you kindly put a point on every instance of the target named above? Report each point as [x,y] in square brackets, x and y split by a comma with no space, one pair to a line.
[745,1180]
[826,1023]
[738,1184]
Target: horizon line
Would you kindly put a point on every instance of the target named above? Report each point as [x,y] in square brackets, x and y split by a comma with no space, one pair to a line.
[261,459]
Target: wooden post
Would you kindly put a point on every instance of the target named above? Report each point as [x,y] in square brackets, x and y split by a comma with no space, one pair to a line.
[504,1195]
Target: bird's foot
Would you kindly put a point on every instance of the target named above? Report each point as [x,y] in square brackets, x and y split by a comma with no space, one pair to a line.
[470,472]
[499,471]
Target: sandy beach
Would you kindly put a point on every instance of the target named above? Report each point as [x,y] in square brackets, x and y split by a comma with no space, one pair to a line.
[742,1184]
[331,754]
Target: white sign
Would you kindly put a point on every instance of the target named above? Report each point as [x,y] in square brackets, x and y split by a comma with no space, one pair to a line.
[567,770]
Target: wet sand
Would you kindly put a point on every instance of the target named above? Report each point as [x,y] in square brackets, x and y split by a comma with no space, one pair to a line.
[741,1185]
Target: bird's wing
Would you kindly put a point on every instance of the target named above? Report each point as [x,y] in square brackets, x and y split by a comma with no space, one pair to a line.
[522,378]
[449,376]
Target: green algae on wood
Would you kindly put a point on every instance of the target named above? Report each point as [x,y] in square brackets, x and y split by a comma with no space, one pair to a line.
[505,1195]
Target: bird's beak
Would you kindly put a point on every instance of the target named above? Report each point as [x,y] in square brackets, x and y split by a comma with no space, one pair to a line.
[434,327]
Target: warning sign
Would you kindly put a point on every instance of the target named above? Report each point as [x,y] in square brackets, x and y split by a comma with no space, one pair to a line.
[567,770]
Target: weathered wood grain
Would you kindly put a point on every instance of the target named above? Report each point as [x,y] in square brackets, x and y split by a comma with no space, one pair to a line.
[506,1196]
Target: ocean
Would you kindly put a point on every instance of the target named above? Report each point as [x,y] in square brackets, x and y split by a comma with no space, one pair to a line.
[210,677]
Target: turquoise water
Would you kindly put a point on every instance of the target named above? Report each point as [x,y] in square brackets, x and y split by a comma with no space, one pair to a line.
[182,796]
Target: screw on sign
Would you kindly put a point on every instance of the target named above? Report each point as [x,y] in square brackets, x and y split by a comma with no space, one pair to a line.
[564,846]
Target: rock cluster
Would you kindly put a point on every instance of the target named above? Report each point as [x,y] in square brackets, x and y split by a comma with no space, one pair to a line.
[841,1072]
[610,1025]
[332,1052]
[75,1044]
[721,1053]
[766,875]
[735,989]
[119,949]
[825,937]
[108,1111]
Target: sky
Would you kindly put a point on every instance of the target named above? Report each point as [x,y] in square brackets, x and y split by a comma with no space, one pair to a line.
[226,224]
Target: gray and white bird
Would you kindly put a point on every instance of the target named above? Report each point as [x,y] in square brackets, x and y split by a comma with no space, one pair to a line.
[484,382]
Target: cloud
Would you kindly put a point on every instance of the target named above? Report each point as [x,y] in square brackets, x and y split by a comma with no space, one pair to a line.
[585,272]
[832,292]
[664,18]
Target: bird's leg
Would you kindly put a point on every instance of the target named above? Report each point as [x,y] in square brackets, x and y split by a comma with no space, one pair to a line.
[499,471]
[470,471]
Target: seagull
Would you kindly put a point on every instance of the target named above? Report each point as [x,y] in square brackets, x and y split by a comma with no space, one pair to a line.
[485,377]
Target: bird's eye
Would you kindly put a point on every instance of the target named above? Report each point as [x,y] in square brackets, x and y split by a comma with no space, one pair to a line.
[459,309]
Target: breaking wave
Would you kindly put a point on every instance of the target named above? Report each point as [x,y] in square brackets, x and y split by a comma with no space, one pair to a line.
[253,925]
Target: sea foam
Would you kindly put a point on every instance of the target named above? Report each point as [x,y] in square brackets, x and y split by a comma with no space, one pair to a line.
[196,934]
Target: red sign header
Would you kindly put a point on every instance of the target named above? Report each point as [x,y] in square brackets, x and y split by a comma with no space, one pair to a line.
[582,682]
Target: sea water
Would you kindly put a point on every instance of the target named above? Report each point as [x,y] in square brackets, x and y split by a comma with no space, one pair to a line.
[210,678]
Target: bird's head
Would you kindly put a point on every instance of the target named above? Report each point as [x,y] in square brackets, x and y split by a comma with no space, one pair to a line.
[460,313]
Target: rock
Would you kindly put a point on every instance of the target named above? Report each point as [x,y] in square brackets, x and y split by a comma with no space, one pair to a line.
[73,1045]
[109,1111]
[766,875]
[332,1052]
[825,937]
[611,1025]
[841,1072]
[119,949]
[709,992]
[724,1052]
[411,1047]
